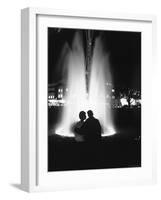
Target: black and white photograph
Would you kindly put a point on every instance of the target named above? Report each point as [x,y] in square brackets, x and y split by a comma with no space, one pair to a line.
[94,99]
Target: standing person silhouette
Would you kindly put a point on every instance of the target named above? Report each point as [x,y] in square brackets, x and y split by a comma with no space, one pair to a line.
[91,128]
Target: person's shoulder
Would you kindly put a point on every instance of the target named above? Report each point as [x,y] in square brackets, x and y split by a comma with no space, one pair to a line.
[97,121]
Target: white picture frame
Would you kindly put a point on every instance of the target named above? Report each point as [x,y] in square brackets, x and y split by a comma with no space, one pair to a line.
[33,175]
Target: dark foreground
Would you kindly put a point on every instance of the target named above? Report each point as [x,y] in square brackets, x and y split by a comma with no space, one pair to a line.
[111,152]
[120,150]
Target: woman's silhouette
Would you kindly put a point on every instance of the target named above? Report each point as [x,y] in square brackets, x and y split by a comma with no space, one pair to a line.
[78,127]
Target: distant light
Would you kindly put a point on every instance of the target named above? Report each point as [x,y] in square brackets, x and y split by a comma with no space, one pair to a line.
[113,90]
[124,101]
[138,101]
[133,102]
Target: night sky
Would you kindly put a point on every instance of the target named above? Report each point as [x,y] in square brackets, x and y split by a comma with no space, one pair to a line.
[124,50]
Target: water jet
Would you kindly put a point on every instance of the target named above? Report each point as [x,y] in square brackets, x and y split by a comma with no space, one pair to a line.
[87,78]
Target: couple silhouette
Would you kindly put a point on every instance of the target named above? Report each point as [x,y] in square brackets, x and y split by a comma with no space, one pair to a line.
[88,130]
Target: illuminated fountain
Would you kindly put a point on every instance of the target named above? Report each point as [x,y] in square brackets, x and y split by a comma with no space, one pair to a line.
[79,96]
[100,75]
[76,96]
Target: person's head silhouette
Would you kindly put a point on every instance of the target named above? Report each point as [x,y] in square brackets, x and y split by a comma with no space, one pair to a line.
[90,113]
[82,115]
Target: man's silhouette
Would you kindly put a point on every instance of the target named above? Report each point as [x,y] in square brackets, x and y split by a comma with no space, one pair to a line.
[91,128]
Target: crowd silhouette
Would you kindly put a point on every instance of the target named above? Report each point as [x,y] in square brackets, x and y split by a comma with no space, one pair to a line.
[88,130]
